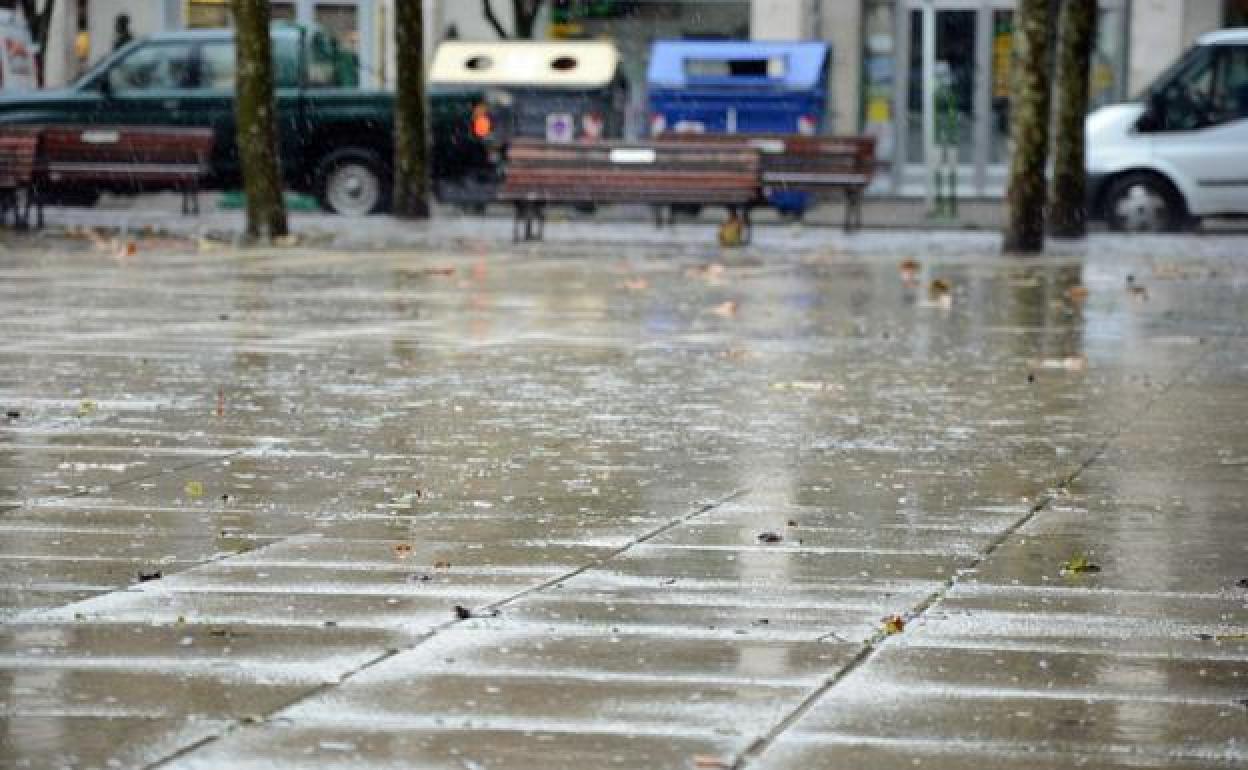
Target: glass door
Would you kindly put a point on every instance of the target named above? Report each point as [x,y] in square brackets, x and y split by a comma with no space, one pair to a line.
[941,105]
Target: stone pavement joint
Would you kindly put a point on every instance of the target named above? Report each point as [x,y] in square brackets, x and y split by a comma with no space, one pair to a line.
[698,510]
[871,646]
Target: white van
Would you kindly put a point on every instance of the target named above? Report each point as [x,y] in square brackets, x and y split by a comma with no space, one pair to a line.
[1180,152]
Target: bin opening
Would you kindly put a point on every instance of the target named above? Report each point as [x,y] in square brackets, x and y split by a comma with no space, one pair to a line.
[774,67]
[479,63]
[563,63]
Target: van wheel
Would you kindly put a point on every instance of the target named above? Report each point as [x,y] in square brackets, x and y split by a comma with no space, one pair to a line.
[1141,202]
[352,182]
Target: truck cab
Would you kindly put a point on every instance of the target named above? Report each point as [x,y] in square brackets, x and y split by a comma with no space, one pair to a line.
[336,139]
[1180,151]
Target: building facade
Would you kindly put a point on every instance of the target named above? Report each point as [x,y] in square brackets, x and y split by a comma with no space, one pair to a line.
[894,62]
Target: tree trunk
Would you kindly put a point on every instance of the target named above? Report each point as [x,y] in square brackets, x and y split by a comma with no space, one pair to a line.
[1029,128]
[411,188]
[256,113]
[1068,211]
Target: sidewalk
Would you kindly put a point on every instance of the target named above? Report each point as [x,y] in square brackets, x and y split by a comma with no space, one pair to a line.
[624,500]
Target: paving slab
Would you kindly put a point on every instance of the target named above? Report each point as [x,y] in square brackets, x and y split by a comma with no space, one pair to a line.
[623,499]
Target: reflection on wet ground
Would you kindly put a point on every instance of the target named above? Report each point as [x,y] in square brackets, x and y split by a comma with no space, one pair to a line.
[472,507]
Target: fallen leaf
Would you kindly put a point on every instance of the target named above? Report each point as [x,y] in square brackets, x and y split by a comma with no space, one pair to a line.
[732,232]
[1077,294]
[402,550]
[636,284]
[1078,565]
[937,287]
[727,309]
[791,523]
[441,564]
[894,624]
[770,537]
[445,272]
[194,489]
[710,763]
[86,407]
[146,575]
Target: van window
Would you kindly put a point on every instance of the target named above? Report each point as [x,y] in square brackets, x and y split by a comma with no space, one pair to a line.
[1210,89]
[153,67]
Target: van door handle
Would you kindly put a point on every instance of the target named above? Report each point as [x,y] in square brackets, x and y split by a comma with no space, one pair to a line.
[171,104]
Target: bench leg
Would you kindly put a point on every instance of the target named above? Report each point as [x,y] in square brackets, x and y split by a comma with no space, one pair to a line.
[853,210]
[747,226]
[190,199]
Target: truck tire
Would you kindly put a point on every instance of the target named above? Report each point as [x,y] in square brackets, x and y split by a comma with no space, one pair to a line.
[1144,202]
[353,182]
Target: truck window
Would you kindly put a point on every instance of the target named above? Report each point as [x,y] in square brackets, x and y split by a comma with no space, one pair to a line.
[217,64]
[153,67]
[323,61]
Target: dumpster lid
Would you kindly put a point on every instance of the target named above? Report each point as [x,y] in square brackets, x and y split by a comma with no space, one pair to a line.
[796,65]
[570,64]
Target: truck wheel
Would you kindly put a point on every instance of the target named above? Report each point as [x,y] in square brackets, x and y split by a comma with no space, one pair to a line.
[1141,202]
[352,182]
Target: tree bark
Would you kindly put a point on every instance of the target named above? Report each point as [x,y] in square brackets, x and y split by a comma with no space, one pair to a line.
[1029,128]
[40,24]
[256,113]
[411,187]
[1068,211]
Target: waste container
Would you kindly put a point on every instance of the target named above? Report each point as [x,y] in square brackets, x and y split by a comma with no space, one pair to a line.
[730,87]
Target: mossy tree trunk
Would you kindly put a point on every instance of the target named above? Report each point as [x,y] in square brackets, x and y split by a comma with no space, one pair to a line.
[256,114]
[1068,211]
[1029,128]
[411,146]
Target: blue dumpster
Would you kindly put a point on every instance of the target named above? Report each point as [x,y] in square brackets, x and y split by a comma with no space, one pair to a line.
[729,87]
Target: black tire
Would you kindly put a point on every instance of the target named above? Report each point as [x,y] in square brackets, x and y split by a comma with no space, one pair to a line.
[353,181]
[1144,202]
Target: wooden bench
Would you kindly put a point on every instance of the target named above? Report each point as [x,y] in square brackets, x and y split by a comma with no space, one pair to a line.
[822,166]
[660,174]
[18,148]
[124,158]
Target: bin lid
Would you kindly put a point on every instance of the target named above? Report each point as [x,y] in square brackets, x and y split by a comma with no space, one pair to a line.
[560,64]
[790,65]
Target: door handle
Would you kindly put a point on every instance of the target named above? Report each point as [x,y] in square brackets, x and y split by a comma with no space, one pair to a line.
[171,104]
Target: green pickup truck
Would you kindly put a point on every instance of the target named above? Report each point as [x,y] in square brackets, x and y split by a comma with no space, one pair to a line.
[336,138]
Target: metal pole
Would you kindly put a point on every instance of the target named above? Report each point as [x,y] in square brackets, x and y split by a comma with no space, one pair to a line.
[929,102]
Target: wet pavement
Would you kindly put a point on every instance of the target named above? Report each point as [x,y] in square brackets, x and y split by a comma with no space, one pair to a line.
[624,500]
